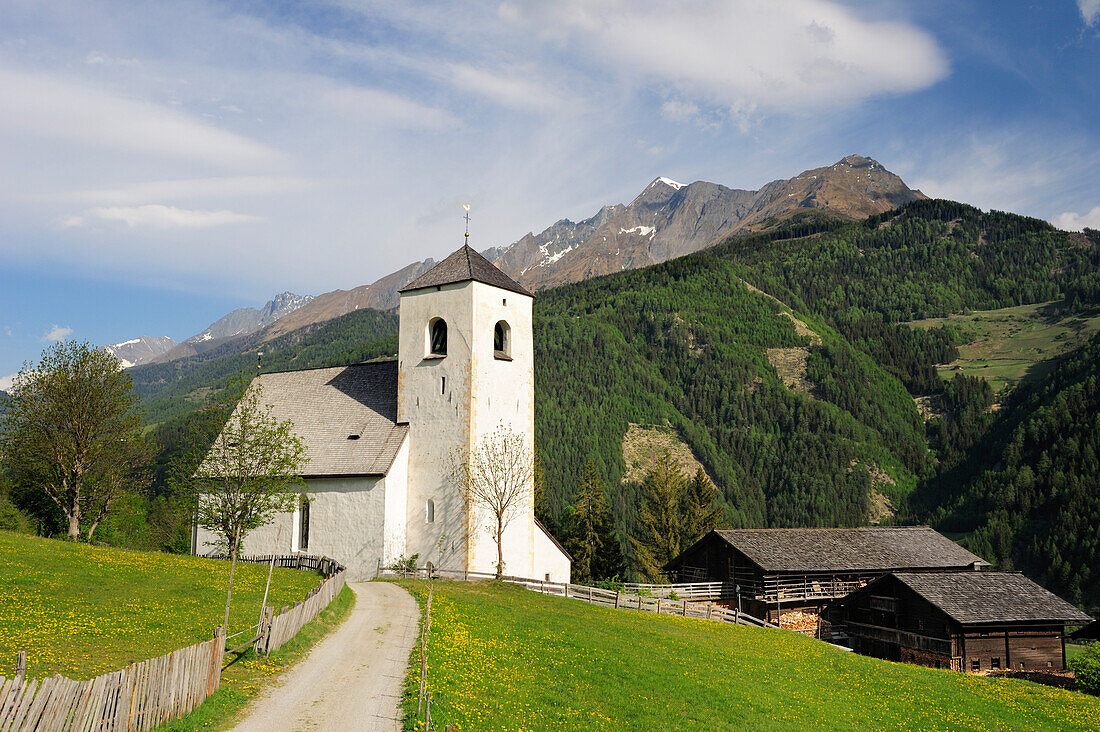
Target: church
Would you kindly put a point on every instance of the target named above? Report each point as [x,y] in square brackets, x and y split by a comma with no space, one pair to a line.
[382,437]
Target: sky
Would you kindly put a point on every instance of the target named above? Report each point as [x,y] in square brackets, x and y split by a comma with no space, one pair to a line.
[164,163]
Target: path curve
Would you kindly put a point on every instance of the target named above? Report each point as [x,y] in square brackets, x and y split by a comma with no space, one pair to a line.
[353,678]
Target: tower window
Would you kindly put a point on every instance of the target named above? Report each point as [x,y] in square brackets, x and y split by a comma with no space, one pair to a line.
[429,511]
[303,524]
[437,337]
[442,384]
[502,341]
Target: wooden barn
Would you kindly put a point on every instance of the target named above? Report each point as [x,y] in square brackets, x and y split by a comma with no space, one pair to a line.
[776,571]
[967,621]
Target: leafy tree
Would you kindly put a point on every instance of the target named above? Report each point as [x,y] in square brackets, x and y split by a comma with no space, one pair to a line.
[251,473]
[660,520]
[73,431]
[591,539]
[700,508]
[497,477]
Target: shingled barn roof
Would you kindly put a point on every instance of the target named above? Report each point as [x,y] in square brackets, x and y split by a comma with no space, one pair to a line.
[345,416]
[463,266]
[872,548]
[971,598]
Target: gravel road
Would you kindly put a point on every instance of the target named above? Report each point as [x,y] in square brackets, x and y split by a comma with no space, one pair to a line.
[352,679]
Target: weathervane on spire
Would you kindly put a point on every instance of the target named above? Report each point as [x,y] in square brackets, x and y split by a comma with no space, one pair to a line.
[467,207]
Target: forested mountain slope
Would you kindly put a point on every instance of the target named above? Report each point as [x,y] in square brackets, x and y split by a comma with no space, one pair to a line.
[693,343]
[1028,491]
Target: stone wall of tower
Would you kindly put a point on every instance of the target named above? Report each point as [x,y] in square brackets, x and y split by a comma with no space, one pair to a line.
[453,403]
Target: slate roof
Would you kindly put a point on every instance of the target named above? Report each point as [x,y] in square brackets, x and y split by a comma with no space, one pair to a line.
[971,598]
[463,266]
[327,405]
[871,548]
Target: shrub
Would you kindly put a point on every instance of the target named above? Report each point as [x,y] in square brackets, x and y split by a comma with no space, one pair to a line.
[1086,670]
[405,564]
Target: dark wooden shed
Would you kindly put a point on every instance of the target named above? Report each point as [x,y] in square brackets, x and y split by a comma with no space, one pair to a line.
[967,621]
[780,570]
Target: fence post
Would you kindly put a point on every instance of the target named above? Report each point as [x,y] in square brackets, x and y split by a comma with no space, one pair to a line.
[567,589]
[685,608]
[616,599]
[708,611]
[21,665]
[378,572]
[658,606]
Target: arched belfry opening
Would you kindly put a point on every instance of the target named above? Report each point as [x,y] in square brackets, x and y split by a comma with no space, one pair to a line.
[437,337]
[502,341]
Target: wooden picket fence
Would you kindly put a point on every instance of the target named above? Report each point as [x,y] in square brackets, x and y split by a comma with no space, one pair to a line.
[277,629]
[139,697]
[608,598]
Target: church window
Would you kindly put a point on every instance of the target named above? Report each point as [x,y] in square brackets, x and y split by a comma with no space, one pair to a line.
[303,524]
[437,337]
[502,341]
[442,384]
[429,511]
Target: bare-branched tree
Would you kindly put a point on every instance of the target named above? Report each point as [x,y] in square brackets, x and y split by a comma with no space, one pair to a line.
[72,429]
[497,477]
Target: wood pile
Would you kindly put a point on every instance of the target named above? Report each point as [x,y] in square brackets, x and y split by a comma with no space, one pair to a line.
[801,622]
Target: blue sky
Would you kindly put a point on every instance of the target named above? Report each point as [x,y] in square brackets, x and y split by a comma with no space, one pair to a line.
[167,162]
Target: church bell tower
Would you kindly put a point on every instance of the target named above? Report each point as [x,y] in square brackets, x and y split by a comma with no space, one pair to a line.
[465,370]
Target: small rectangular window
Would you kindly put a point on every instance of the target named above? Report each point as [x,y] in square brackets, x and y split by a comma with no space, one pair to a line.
[995,662]
[975,665]
[303,525]
[504,301]
[429,511]
[442,384]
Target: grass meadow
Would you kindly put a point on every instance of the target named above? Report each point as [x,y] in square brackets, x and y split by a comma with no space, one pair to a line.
[82,610]
[503,658]
[1007,345]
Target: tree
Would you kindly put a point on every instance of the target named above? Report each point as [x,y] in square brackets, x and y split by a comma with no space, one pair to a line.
[72,430]
[591,539]
[497,476]
[700,508]
[250,474]
[660,521]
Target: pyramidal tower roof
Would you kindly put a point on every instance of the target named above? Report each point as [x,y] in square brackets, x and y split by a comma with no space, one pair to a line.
[463,266]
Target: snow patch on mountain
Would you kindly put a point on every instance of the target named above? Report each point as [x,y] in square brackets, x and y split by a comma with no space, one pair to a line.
[640,231]
[669,182]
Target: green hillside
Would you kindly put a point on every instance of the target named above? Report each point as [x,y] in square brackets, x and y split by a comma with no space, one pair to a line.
[501,657]
[178,387]
[1028,492]
[82,610]
[785,361]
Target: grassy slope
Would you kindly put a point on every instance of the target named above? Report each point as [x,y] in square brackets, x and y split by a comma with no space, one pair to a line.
[505,658]
[83,610]
[1003,346]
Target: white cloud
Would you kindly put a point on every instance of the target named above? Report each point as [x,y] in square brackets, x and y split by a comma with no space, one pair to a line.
[1070,221]
[380,108]
[57,333]
[512,91]
[43,106]
[1090,11]
[162,190]
[7,381]
[749,56]
[156,216]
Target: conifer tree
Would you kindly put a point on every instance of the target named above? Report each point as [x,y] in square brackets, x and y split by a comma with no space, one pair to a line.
[592,541]
[701,509]
[660,521]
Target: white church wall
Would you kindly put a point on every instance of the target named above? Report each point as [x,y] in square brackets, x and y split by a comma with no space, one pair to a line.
[437,413]
[550,561]
[346,522]
[502,394]
[396,517]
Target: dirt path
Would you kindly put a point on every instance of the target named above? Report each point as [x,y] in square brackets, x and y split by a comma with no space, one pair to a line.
[352,679]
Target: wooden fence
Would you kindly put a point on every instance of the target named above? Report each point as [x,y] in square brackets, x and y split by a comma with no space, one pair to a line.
[607,598]
[276,630]
[139,697]
[694,591]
